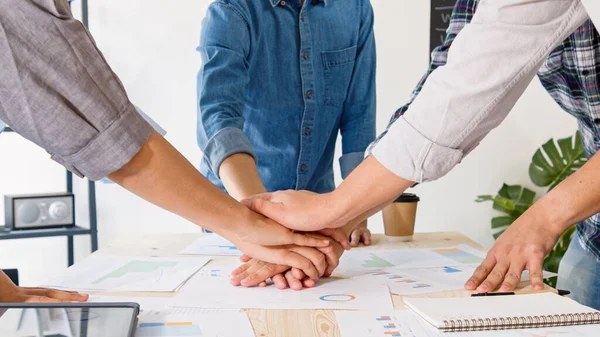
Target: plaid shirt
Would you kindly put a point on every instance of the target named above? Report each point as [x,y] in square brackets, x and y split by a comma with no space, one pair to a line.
[570,75]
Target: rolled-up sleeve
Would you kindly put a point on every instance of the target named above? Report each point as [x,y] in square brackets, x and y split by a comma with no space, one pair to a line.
[224,47]
[490,64]
[58,91]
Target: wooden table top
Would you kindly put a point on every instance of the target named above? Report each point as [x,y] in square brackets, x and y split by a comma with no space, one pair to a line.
[284,323]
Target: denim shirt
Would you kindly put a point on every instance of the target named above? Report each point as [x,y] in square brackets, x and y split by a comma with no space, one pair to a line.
[278,82]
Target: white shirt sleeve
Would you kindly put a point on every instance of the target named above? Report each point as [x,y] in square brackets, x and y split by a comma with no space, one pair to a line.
[490,64]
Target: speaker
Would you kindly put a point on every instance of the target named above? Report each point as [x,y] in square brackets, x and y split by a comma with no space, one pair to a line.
[38,211]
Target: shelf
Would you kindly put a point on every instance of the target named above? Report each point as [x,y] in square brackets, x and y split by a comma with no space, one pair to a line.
[44,233]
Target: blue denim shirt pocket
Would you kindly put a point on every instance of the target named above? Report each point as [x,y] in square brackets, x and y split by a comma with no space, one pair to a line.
[338,67]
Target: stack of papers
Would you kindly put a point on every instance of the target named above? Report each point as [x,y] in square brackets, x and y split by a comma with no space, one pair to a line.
[123,273]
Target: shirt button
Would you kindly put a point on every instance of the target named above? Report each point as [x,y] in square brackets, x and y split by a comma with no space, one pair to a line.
[307,131]
[282,3]
[305,55]
[597,121]
[585,73]
[309,94]
[303,167]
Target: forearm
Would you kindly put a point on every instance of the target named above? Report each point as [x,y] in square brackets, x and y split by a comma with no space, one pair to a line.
[240,177]
[368,189]
[573,200]
[162,176]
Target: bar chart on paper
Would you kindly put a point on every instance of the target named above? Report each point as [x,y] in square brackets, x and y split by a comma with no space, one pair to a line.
[129,273]
[168,329]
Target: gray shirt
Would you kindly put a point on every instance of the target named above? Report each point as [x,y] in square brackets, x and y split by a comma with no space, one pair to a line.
[58,91]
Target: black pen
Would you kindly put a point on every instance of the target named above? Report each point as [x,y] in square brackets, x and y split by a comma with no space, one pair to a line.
[493,294]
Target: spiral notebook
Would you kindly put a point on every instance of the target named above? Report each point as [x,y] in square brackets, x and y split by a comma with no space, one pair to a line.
[502,312]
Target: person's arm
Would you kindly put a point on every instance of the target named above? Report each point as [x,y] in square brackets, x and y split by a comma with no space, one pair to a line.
[223,77]
[531,237]
[10,293]
[491,62]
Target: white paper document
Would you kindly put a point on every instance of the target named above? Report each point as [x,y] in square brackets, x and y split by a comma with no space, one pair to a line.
[429,280]
[206,292]
[407,324]
[194,323]
[363,261]
[146,303]
[122,273]
[211,244]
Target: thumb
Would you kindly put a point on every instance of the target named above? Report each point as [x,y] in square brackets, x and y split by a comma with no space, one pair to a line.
[300,239]
[263,204]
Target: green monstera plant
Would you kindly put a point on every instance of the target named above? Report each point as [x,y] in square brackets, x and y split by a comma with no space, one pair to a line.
[550,165]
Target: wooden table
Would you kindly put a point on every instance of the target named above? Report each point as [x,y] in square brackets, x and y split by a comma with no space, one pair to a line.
[284,323]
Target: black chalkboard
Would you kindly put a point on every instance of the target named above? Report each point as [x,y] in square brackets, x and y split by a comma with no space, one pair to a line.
[441,10]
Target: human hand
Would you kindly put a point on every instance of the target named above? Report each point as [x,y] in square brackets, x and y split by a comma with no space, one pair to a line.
[299,210]
[522,246]
[349,235]
[255,272]
[266,232]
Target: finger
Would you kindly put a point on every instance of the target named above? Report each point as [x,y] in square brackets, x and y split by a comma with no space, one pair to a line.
[355,237]
[279,281]
[292,282]
[296,260]
[66,296]
[481,272]
[340,237]
[513,277]
[262,284]
[308,283]
[237,271]
[43,299]
[262,274]
[495,278]
[317,258]
[27,289]
[333,261]
[263,204]
[298,274]
[366,237]
[245,258]
[247,270]
[306,240]
[536,274]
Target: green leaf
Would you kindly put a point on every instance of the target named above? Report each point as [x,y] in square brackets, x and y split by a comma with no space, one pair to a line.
[549,166]
[512,200]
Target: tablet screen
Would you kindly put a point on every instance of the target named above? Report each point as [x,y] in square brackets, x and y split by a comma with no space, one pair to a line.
[67,322]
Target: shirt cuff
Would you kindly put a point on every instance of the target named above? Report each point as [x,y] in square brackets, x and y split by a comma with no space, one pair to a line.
[224,143]
[414,157]
[111,149]
[349,162]
[152,123]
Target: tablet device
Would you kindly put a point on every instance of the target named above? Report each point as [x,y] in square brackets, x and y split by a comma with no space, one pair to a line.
[68,319]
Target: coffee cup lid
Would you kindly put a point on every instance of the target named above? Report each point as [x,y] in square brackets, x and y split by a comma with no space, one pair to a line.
[408,197]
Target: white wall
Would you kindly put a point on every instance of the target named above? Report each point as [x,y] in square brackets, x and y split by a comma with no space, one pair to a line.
[151,45]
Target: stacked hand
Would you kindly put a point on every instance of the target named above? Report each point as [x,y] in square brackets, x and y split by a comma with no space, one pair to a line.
[299,266]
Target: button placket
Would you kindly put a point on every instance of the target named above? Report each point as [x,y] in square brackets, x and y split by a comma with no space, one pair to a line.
[308,87]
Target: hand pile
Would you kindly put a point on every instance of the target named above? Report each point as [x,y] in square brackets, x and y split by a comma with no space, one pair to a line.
[299,254]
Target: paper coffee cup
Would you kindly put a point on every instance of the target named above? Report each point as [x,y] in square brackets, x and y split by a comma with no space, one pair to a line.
[399,217]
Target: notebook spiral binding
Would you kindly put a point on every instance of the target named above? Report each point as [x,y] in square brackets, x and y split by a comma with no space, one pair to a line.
[520,322]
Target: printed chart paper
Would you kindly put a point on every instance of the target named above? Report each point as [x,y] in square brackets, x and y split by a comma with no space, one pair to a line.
[211,244]
[122,273]
[195,323]
[206,292]
[363,261]
[405,323]
[398,324]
